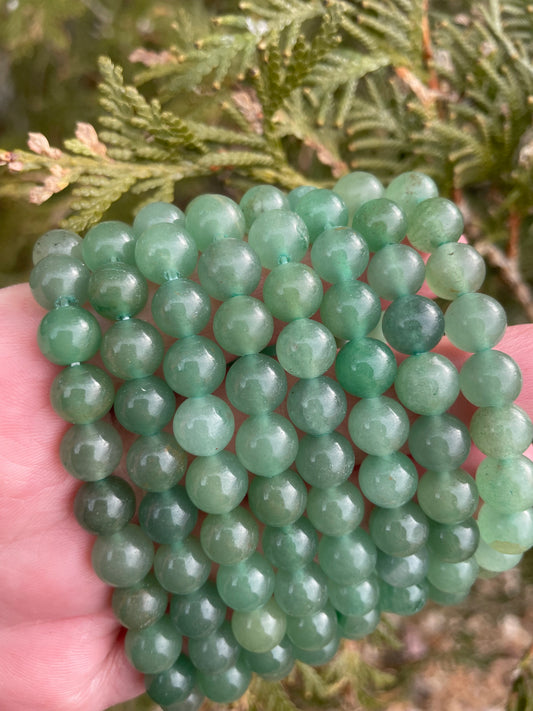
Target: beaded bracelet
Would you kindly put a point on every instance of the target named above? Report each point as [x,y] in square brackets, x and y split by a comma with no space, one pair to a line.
[319,573]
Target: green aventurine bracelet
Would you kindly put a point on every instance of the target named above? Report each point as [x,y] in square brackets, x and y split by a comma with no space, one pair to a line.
[295,570]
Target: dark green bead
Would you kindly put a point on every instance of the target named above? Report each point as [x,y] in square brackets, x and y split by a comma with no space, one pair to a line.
[292,290]
[506,484]
[506,533]
[380,222]
[378,425]
[292,546]
[453,577]
[356,599]
[358,626]
[106,242]
[278,500]
[296,193]
[455,542]
[117,291]
[144,405]
[215,652]
[402,571]
[91,452]
[203,425]
[337,510]
[181,308]
[191,703]
[365,367]
[396,270]
[199,613]
[400,531]
[306,348]
[409,189]
[229,267]
[273,665]
[494,561]
[318,657]
[350,310]
[182,567]
[132,349]
[490,379]
[194,366]
[68,335]
[167,516]
[501,432]
[262,198]
[211,217]
[303,591]
[156,462]
[413,324]
[82,394]
[357,188]
[123,558]
[434,222]
[229,538]
[427,383]
[227,686]
[347,559]
[261,629]
[313,631]
[325,460]
[154,213]
[140,605]
[59,277]
[155,648]
[475,322]
[316,405]
[278,235]
[455,269]
[217,484]
[243,325]
[104,506]
[172,685]
[439,442]
[403,601]
[57,242]
[448,497]
[339,254]
[247,585]
[320,210]
[256,384]
[164,251]
[388,481]
[266,444]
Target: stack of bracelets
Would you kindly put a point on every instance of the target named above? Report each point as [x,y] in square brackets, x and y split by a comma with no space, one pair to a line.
[252,548]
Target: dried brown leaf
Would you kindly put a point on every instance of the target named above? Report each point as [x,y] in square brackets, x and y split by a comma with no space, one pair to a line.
[38,143]
[86,134]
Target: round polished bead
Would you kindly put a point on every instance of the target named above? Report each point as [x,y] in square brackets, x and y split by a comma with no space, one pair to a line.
[132,349]
[403,601]
[409,189]
[194,366]
[172,685]
[378,425]
[296,193]
[91,452]
[203,425]
[301,592]
[365,367]
[229,267]
[400,531]
[313,631]
[356,599]
[292,546]
[339,254]
[181,308]
[306,348]
[443,598]
[453,577]
[337,510]
[489,559]
[212,217]
[262,198]
[167,516]
[434,222]
[260,630]
[247,585]
[402,571]
[279,235]
[506,484]
[155,648]
[123,558]
[107,242]
[380,222]
[396,270]
[243,325]
[227,686]
[229,538]
[413,324]
[501,432]
[350,309]
[292,290]
[82,394]
[357,188]
[388,481]
[455,542]
[448,497]
[427,383]
[316,405]
[156,462]
[266,444]
[455,269]
[199,613]
[273,665]
[154,213]
[475,322]
[182,567]
[68,335]
[490,379]
[117,291]
[359,626]
[507,533]
[279,500]
[439,442]
[216,484]
[144,405]
[164,251]
[104,506]
[256,384]
[59,277]
[348,559]
[192,702]
[318,657]
[215,652]
[325,460]
[56,242]
[321,210]
[140,605]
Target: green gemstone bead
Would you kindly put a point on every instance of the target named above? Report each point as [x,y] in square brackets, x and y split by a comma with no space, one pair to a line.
[453,543]
[106,242]
[316,405]
[296,193]
[216,484]
[155,648]
[215,652]
[290,547]
[140,605]
[260,630]
[501,432]
[490,379]
[156,462]
[301,592]
[279,500]
[59,277]
[164,251]
[144,405]
[273,665]
[242,325]
[313,631]
[448,497]
[172,685]
[266,444]
[475,322]
[203,426]
[117,291]
[192,702]
[82,394]
[403,601]
[388,481]
[396,270]
[350,310]
[443,598]
[91,452]
[182,567]
[154,213]
[123,558]
[68,335]
[506,533]
[132,349]
[427,383]
[348,559]
[365,367]
[453,577]
[378,425]
[356,599]
[199,613]
[337,510]
[181,308]
[212,217]
[413,324]
[409,189]
[279,235]
[194,366]
[506,484]
[56,242]
[339,254]
[402,571]
[490,559]
[247,585]
[439,442]
[229,267]
[292,290]
[357,188]
[229,538]
[167,516]
[262,198]
[321,210]
[256,384]
[359,626]
[434,222]
[455,269]
[227,686]
[380,222]
[318,657]
[306,348]
[400,531]
[104,506]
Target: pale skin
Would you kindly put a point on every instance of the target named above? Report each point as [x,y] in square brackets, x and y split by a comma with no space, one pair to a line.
[60,647]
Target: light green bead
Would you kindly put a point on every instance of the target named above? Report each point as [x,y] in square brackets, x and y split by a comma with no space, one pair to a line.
[82,394]
[181,308]
[348,559]
[443,598]
[165,250]
[247,585]
[339,254]
[402,571]
[396,270]
[279,500]
[155,648]
[117,291]
[365,367]
[203,425]
[278,235]
[266,444]
[216,484]
[453,577]
[321,210]
[475,322]
[313,631]
[400,531]
[501,432]
[318,657]
[427,383]
[380,222]
[296,193]
[357,188]
[59,277]
[439,442]
[62,242]
[506,484]
[359,626]
[409,189]
[316,405]
[292,290]
[243,325]
[132,349]
[156,462]
[303,591]
[144,405]
[506,533]
[290,547]
[378,425]
[337,510]
[106,242]
[154,213]
[212,217]
[262,198]
[403,601]
[227,686]
[260,630]
[448,497]
[490,559]
[68,335]
[455,269]
[256,384]
[194,366]
[356,599]
[413,324]
[490,379]
[167,516]
[91,452]
[123,558]
[229,538]
[273,665]
[182,567]
[306,348]
[215,652]
[140,605]
[455,542]
[434,222]
[388,481]
[350,310]
[229,267]
[199,613]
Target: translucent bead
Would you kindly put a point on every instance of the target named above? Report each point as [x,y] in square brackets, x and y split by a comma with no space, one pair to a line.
[402,571]
[321,210]
[348,559]
[229,538]
[292,546]
[273,665]
[260,630]
[427,383]
[278,234]
[266,444]
[216,484]
[448,497]
[165,250]
[358,626]
[181,308]
[380,222]
[400,531]
[156,462]
[292,290]
[316,405]
[57,242]
[303,591]
[82,394]
[229,267]
[140,605]
[317,657]
[194,366]
[192,702]
[227,686]
[443,598]
[59,277]
[106,242]
[247,585]
[155,648]
[453,543]
[490,379]
[453,577]
[365,367]
[296,193]
[455,269]
[123,558]
[167,516]
[395,271]
[313,631]
[409,189]
[172,685]
[215,652]
[203,425]
[339,254]
[357,188]
[154,213]
[279,500]
[434,222]
[388,481]
[199,613]
[378,425]
[91,452]
[403,601]
[350,309]
[506,533]
[475,322]
[212,217]
[117,291]
[262,198]
[337,510]
[306,348]
[489,559]
[506,484]
[439,442]
[501,432]
[132,349]
[68,335]
[243,325]
[182,567]
[144,405]
[413,324]
[256,384]
[356,599]
[104,506]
